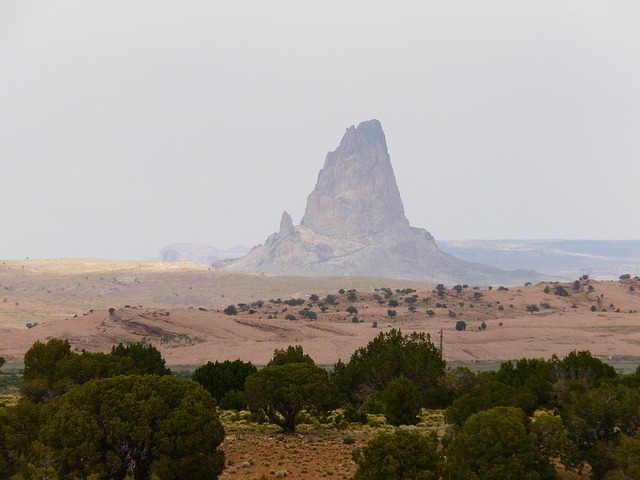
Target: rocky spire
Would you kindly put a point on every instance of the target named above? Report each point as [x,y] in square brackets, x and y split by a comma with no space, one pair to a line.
[286,224]
[356,193]
[354,224]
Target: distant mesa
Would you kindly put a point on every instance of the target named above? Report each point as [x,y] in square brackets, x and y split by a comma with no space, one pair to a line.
[564,259]
[188,252]
[354,224]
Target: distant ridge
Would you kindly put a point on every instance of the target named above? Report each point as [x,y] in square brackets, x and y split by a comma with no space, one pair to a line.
[354,224]
[206,254]
[569,259]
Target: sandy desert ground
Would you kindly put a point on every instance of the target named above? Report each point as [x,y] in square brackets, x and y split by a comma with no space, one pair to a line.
[179,308]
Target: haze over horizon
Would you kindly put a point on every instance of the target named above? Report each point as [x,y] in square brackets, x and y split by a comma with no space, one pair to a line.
[127,126]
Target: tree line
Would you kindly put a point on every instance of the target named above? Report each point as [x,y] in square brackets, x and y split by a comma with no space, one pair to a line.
[123,415]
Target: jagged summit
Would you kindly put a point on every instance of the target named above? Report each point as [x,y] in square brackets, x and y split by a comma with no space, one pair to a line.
[356,192]
[354,224]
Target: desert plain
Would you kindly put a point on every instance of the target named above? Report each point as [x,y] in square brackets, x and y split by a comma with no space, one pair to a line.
[179,307]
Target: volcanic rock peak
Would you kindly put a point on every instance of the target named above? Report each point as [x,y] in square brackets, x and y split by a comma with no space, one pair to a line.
[356,193]
[354,224]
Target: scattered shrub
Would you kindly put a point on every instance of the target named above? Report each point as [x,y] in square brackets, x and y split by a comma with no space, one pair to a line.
[231,310]
[294,302]
[348,440]
[532,308]
[310,314]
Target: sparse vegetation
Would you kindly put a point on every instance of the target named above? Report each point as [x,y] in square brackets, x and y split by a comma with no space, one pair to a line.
[308,314]
[561,291]
[231,310]
[331,299]
[294,302]
[292,392]
[440,290]
[570,390]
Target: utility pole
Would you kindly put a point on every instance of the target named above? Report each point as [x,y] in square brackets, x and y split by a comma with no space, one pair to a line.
[441,335]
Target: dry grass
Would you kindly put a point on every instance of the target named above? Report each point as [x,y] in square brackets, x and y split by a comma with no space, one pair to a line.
[315,451]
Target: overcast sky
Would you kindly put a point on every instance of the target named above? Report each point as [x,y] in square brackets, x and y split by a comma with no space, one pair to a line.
[129,125]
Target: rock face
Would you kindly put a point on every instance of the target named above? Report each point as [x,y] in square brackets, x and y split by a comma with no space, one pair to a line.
[356,193]
[354,224]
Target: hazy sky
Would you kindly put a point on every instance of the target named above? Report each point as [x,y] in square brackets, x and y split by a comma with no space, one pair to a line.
[129,125]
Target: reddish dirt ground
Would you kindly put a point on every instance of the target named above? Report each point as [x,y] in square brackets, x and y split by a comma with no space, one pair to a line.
[253,451]
[193,335]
